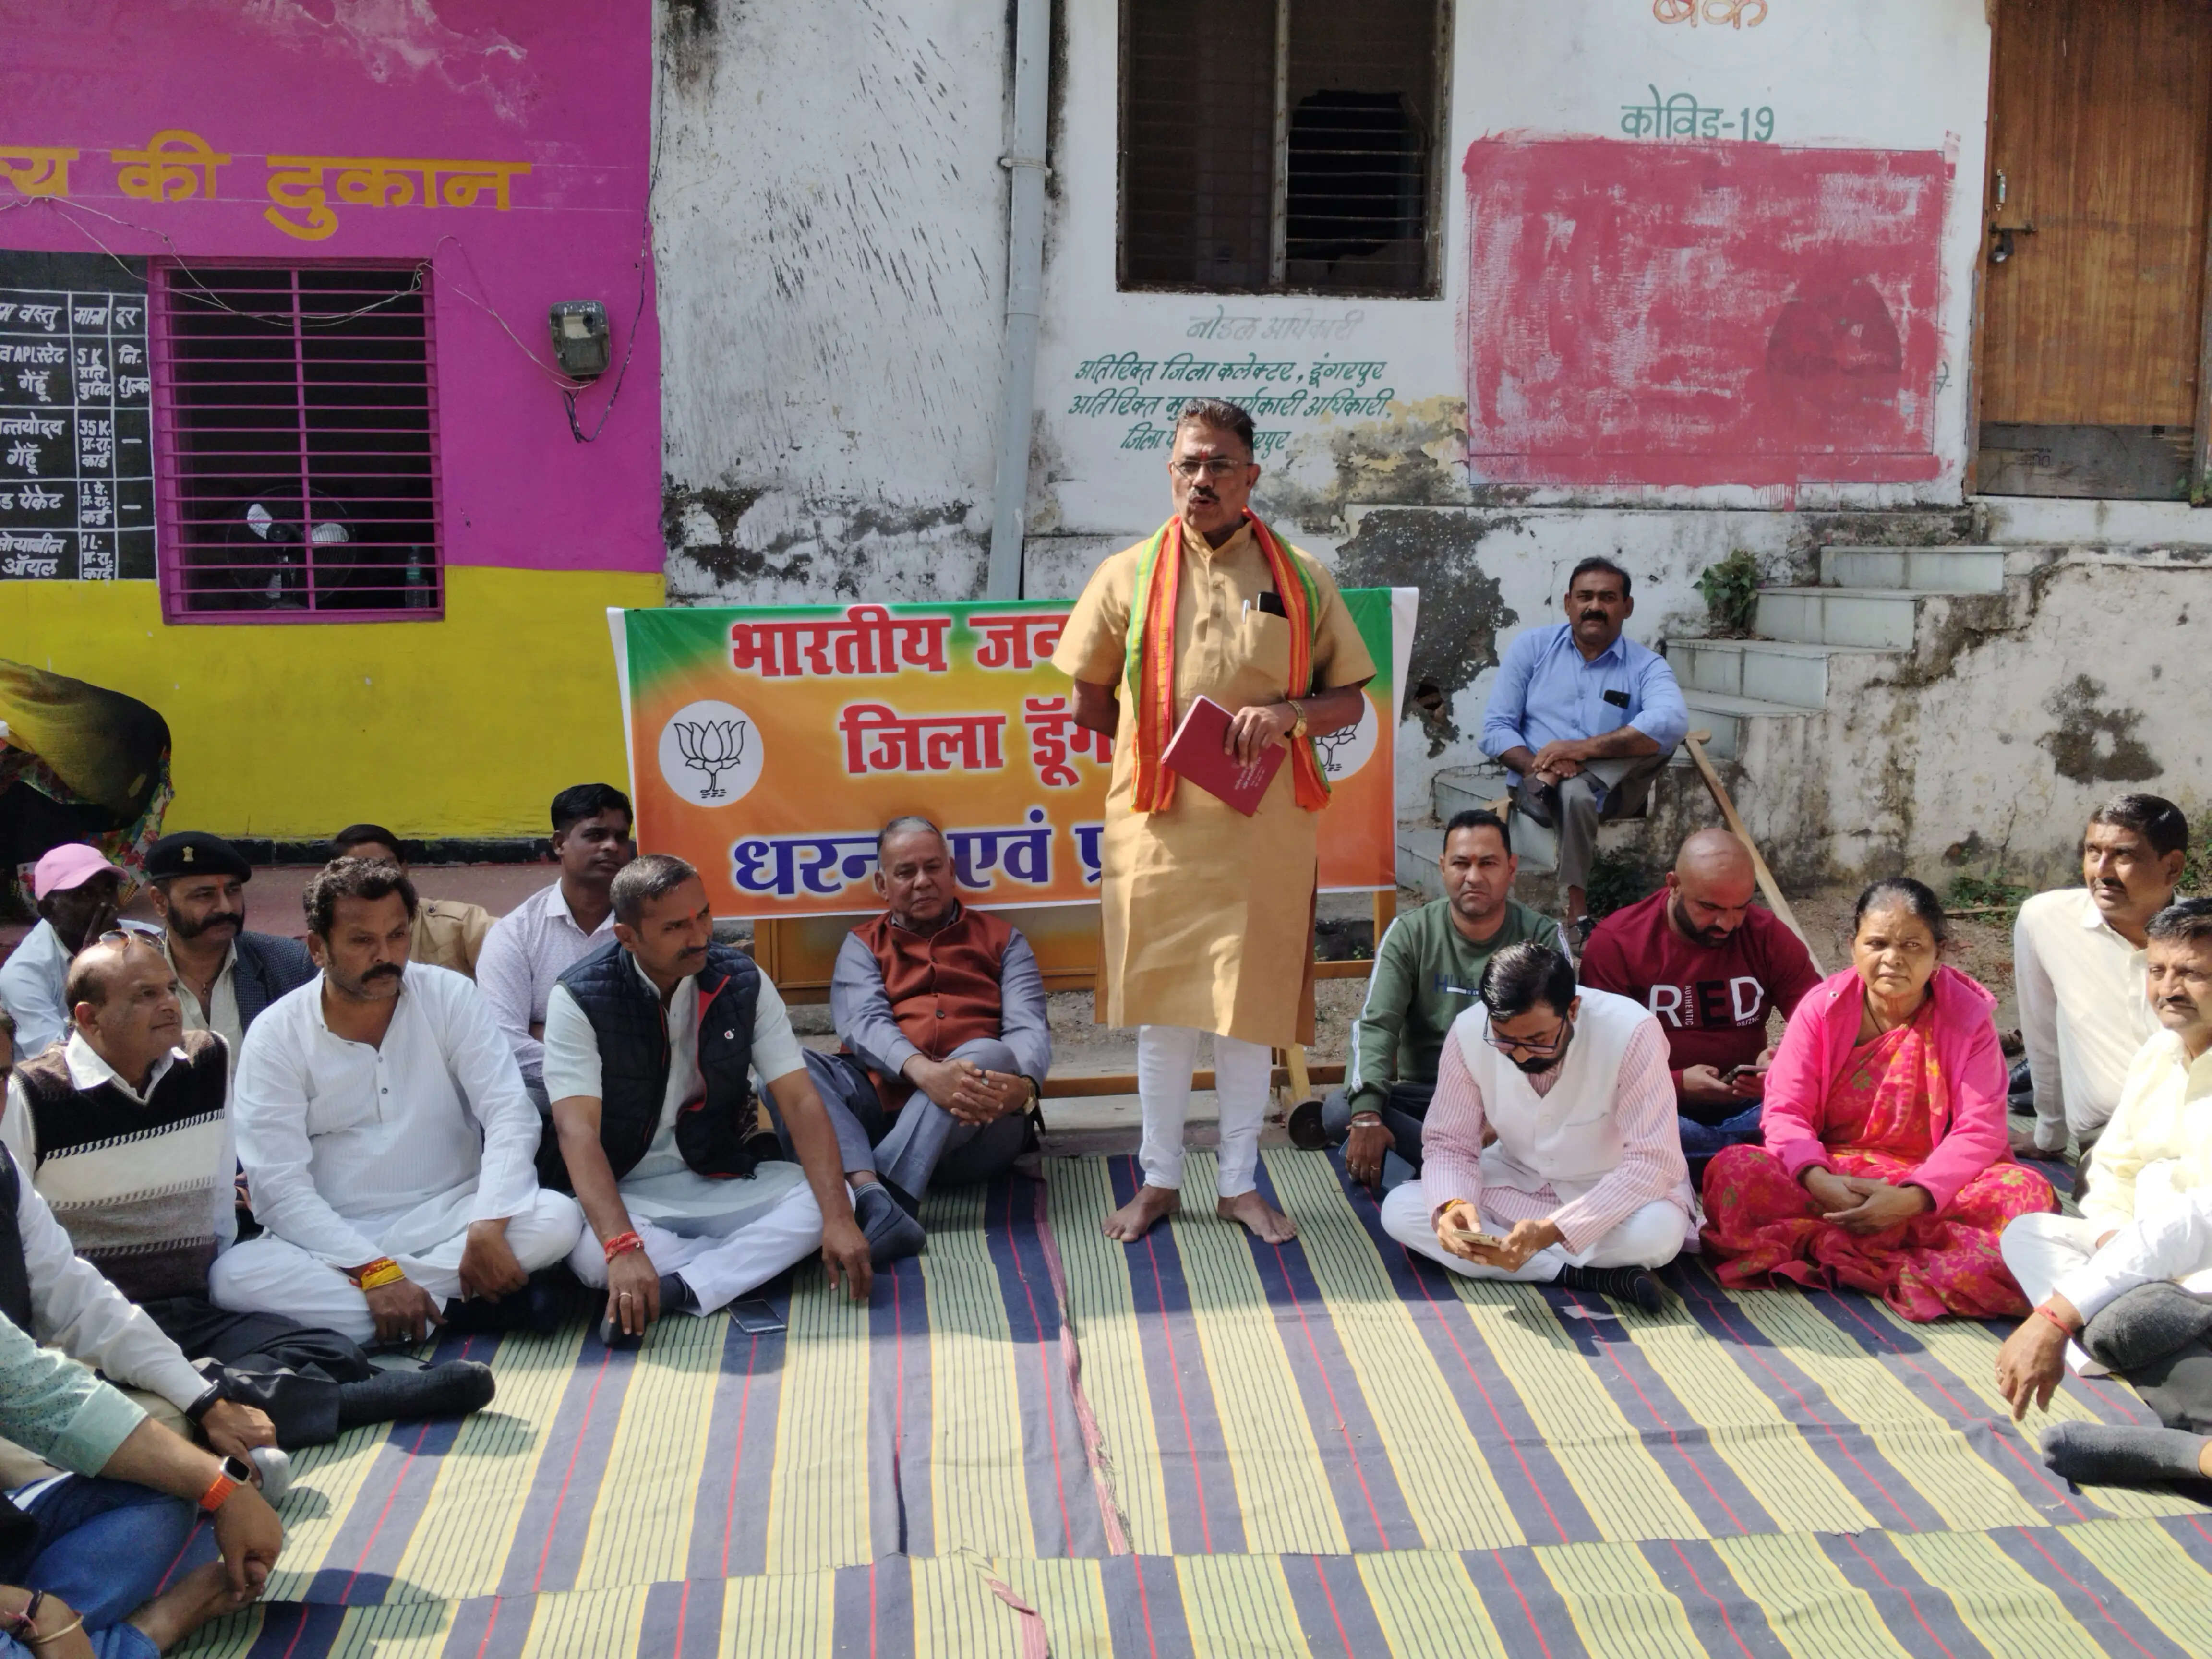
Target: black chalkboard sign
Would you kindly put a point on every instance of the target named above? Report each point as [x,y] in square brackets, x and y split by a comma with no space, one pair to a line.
[76,450]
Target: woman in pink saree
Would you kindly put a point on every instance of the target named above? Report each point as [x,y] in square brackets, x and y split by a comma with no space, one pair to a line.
[1886,1165]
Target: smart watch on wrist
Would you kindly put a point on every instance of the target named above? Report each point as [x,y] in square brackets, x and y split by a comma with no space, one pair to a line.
[235,1472]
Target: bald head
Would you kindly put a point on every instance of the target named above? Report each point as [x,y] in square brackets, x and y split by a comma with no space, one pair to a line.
[93,971]
[1709,889]
[123,997]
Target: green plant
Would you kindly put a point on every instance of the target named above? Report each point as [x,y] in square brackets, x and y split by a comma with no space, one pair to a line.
[1987,893]
[1616,881]
[2196,868]
[1731,590]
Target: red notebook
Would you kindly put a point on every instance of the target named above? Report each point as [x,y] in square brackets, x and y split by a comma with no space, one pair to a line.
[1196,752]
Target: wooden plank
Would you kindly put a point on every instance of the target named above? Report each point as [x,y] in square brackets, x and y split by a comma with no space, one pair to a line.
[1125,1082]
[2124,463]
[2200,448]
[2099,117]
[798,953]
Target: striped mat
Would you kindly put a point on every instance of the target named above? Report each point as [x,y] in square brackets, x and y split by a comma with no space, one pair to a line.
[1032,1439]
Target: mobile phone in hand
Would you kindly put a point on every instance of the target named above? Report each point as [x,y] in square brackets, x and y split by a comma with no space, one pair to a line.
[755,1318]
[1466,1236]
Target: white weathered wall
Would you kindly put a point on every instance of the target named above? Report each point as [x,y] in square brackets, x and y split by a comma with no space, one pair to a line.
[1886,74]
[832,266]
[1985,748]
[831,261]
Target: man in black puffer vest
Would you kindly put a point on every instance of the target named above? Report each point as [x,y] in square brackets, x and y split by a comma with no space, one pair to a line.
[651,1044]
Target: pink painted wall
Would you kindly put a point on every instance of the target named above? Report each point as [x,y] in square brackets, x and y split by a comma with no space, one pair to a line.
[1702,313]
[566,88]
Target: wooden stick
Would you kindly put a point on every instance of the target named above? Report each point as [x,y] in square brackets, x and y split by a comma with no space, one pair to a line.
[1695,742]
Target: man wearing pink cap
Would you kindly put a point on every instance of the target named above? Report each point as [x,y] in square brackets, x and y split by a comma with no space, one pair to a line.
[78,893]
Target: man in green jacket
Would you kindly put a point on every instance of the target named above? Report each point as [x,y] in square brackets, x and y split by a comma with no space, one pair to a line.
[1427,969]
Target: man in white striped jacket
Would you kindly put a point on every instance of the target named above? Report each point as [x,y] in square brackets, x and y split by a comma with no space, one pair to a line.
[1585,1184]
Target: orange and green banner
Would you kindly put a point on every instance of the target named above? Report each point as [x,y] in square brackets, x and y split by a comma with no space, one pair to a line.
[767,745]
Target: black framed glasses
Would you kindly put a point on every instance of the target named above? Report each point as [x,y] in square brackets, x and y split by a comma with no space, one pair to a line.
[1537,1050]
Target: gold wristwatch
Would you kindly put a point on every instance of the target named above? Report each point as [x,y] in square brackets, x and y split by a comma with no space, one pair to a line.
[1299,730]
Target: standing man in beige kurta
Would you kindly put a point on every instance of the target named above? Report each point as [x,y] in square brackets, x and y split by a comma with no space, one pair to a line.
[1207,915]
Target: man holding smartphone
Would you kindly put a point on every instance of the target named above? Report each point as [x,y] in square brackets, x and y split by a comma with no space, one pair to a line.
[1581,1183]
[1711,966]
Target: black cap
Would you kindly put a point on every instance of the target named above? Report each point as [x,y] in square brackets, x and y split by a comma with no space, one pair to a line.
[195,853]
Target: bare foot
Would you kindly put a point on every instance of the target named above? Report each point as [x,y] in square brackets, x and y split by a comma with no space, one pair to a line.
[201,1595]
[1134,1220]
[1268,1224]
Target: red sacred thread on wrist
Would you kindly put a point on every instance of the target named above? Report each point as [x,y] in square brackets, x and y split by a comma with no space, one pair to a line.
[2055,1320]
[622,1244]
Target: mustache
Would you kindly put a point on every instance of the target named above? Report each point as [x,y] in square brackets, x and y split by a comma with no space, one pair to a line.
[193,929]
[384,970]
[1596,615]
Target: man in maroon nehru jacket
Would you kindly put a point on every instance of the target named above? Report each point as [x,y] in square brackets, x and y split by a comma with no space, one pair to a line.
[941,1012]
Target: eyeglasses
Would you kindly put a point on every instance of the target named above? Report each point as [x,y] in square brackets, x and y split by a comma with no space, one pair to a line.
[1219,467]
[1539,1050]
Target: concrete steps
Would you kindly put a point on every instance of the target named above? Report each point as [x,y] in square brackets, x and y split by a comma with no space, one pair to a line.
[1917,569]
[1871,605]
[1724,714]
[1789,672]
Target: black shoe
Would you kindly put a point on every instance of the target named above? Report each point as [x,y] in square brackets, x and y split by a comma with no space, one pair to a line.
[453,1390]
[1304,1127]
[891,1232]
[612,1335]
[539,1309]
[1637,1285]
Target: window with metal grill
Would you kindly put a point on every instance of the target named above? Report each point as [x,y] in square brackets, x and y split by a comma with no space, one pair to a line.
[1272,146]
[295,425]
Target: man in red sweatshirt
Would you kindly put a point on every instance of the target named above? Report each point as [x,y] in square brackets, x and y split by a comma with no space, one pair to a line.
[1711,966]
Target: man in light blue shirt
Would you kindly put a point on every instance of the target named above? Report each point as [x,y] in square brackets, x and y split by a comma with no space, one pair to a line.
[1583,718]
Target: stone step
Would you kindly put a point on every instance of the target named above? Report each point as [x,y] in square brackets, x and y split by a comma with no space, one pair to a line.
[1881,617]
[1420,847]
[1466,789]
[1723,714]
[1770,670]
[1915,569]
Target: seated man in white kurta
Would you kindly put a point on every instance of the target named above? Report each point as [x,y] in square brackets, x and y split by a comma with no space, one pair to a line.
[652,1042]
[1585,1185]
[388,1143]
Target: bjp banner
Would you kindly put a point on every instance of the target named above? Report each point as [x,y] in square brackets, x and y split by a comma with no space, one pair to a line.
[767,745]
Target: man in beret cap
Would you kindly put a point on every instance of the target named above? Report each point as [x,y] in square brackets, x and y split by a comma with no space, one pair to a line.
[225,975]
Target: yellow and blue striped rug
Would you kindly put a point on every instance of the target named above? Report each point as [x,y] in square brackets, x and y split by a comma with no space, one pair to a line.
[1034,1440]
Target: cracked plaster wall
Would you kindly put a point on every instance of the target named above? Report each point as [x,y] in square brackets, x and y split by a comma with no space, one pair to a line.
[1985,748]
[832,248]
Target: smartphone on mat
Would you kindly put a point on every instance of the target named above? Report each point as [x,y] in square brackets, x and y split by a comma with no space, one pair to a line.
[755,1318]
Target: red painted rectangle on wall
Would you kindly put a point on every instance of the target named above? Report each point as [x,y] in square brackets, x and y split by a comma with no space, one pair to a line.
[1702,313]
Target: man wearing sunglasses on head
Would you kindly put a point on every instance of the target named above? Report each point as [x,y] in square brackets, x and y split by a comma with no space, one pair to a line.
[1584,1185]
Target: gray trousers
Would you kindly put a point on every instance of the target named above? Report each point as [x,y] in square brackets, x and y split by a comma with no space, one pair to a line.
[1572,810]
[2160,1338]
[924,1144]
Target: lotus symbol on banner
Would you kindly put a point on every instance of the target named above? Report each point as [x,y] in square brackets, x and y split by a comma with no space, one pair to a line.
[710,753]
[713,747]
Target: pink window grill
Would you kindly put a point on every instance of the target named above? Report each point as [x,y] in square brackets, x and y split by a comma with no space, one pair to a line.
[296,437]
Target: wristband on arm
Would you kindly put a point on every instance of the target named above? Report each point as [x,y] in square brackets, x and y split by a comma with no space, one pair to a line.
[622,1244]
[376,1275]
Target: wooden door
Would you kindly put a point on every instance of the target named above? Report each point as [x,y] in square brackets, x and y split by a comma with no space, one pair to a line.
[2100,142]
